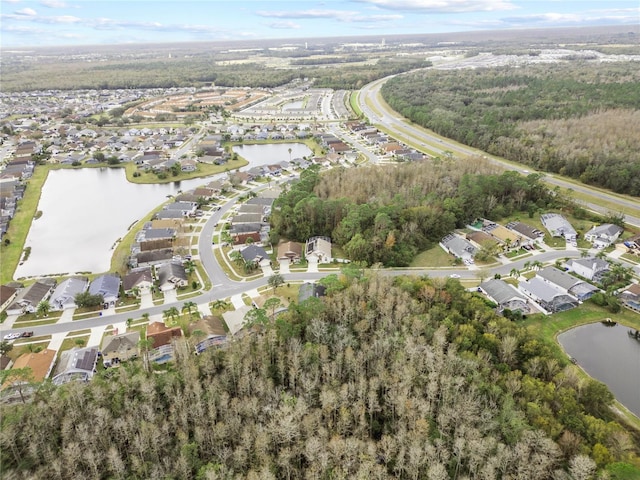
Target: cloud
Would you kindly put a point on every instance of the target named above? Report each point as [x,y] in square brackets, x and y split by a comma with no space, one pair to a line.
[442,6]
[53,4]
[27,12]
[11,1]
[283,25]
[339,15]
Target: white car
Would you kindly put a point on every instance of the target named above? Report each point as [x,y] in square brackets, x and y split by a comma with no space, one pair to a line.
[12,336]
[454,275]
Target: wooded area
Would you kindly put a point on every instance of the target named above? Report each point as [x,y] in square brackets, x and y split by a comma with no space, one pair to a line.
[568,118]
[389,214]
[406,378]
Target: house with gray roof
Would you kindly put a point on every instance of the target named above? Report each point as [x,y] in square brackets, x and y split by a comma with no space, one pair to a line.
[247,218]
[601,236]
[155,234]
[77,364]
[458,247]
[152,257]
[28,298]
[567,283]
[140,278]
[185,208]
[309,290]
[318,249]
[119,348]
[167,214]
[64,295]
[528,232]
[108,286]
[504,295]
[592,268]
[548,296]
[257,254]
[171,275]
[558,226]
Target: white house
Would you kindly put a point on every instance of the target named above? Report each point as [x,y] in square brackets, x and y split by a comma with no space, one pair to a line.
[601,236]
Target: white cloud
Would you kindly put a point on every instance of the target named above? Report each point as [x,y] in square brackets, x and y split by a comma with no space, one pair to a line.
[442,6]
[284,25]
[11,1]
[28,12]
[339,15]
[53,4]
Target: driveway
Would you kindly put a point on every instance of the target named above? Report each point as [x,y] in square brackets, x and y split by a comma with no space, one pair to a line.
[170,296]
[146,300]
[284,267]
[95,339]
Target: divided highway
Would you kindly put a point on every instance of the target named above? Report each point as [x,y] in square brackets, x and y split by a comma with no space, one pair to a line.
[379,113]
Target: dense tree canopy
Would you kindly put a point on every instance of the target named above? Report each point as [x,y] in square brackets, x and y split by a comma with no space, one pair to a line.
[568,118]
[406,378]
[388,215]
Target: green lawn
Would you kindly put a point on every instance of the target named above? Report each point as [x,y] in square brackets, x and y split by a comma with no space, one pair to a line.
[434,257]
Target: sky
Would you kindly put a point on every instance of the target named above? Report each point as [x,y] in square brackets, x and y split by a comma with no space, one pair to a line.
[85,22]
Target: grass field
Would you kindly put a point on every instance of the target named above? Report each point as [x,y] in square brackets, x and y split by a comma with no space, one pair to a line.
[434,257]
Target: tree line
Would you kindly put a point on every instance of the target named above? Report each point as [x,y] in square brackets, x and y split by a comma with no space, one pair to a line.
[400,378]
[388,215]
[567,118]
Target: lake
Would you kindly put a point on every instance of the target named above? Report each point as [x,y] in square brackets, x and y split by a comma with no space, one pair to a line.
[265,154]
[85,211]
[609,355]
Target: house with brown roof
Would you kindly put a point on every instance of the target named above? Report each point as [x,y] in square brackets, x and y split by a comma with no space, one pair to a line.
[289,251]
[211,332]
[161,334]
[41,365]
[7,294]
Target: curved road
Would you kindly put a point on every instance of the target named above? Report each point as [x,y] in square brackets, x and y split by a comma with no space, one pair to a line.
[378,112]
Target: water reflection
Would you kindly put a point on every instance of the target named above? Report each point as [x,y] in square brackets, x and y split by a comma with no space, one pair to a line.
[609,354]
[84,212]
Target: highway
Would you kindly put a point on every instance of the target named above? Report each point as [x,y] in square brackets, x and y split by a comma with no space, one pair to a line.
[379,113]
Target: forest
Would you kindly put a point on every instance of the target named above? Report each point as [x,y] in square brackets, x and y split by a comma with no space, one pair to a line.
[405,378]
[389,214]
[194,71]
[568,118]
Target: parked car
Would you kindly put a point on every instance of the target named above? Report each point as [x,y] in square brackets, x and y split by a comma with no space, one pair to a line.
[12,336]
[27,334]
[454,275]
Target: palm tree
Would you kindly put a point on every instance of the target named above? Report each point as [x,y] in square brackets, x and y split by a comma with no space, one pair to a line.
[536,265]
[145,317]
[189,306]
[129,322]
[44,308]
[514,272]
[527,265]
[220,305]
[171,313]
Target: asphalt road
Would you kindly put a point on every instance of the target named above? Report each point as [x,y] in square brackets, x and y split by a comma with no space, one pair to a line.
[379,113]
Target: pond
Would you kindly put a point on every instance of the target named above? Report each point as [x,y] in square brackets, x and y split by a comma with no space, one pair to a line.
[270,153]
[84,212]
[610,355]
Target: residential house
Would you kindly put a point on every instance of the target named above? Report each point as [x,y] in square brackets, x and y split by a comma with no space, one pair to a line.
[188,165]
[108,286]
[558,226]
[591,268]
[247,218]
[289,251]
[185,208]
[247,208]
[601,236]
[503,235]
[64,295]
[318,249]
[40,364]
[162,338]
[567,283]
[140,279]
[529,234]
[155,234]
[235,318]
[77,364]
[169,214]
[7,295]
[308,290]
[119,348]
[630,297]
[548,296]
[257,254]
[147,259]
[27,299]
[209,332]
[242,232]
[459,248]
[480,238]
[171,275]
[505,296]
